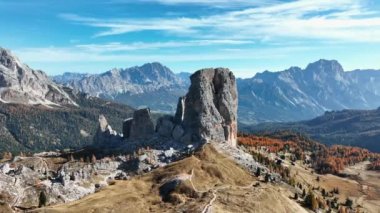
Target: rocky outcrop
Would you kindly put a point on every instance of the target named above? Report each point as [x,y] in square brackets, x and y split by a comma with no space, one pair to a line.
[25,178]
[165,126]
[105,134]
[140,126]
[207,113]
[21,84]
[209,110]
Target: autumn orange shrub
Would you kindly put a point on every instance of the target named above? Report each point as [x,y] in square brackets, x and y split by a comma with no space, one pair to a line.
[323,159]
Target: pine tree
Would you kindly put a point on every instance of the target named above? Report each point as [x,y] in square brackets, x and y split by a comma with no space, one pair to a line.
[42,199]
[349,202]
[323,192]
[258,172]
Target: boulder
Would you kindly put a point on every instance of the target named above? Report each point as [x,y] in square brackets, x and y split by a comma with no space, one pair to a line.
[208,112]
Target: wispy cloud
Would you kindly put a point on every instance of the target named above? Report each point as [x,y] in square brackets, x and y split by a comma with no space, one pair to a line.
[97,54]
[214,3]
[117,46]
[340,20]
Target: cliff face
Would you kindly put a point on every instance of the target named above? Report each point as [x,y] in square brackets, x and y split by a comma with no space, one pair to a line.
[21,84]
[209,110]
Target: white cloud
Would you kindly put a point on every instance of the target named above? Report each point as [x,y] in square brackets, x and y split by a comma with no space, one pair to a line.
[95,54]
[116,46]
[212,3]
[339,20]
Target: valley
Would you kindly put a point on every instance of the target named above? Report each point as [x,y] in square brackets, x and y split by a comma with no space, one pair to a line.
[347,127]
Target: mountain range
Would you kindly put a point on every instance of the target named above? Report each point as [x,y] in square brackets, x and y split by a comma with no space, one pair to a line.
[290,95]
[151,84]
[300,94]
[37,113]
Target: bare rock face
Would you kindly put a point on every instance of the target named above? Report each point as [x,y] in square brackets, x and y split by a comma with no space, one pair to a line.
[180,113]
[21,84]
[165,126]
[178,132]
[105,134]
[127,124]
[209,110]
[140,126]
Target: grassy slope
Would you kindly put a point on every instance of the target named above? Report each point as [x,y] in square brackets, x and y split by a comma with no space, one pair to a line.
[214,174]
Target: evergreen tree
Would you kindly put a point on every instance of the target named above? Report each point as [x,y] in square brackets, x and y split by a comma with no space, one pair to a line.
[42,199]
[349,202]
[323,192]
[258,172]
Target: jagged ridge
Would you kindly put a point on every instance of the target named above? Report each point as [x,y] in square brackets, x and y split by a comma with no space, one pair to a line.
[21,84]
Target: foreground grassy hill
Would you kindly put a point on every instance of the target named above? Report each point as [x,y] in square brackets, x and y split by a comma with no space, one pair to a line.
[27,128]
[208,180]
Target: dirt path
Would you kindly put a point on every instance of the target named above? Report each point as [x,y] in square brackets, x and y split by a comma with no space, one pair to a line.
[208,207]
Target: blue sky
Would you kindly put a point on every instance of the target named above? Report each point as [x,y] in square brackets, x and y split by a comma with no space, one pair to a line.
[247,36]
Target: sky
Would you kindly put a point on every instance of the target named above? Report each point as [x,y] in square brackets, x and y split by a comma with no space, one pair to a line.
[247,36]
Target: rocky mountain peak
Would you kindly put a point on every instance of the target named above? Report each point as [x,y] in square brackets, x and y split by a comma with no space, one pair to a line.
[325,66]
[8,60]
[157,71]
[21,84]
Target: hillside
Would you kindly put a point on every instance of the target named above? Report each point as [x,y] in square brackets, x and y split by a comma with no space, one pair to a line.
[36,128]
[200,182]
[359,128]
[324,178]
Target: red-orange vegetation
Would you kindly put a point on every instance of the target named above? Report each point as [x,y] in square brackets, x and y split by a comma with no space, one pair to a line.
[323,159]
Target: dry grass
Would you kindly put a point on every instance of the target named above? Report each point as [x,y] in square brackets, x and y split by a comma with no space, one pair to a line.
[214,173]
[265,199]
[363,190]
